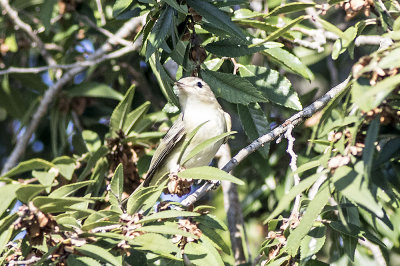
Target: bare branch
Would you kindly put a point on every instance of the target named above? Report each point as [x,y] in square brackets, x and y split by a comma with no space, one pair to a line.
[376,252]
[232,209]
[100,9]
[13,15]
[274,134]
[95,58]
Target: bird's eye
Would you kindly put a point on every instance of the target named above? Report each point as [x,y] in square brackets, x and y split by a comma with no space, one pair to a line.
[200,84]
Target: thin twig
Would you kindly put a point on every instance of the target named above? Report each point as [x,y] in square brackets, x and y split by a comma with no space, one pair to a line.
[25,262]
[13,15]
[106,228]
[376,251]
[293,167]
[86,63]
[95,58]
[278,131]
[113,39]
[100,9]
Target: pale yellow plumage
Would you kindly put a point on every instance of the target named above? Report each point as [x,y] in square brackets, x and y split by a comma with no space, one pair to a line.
[198,105]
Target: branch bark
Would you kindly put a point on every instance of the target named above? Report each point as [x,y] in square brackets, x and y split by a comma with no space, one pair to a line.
[274,134]
[95,58]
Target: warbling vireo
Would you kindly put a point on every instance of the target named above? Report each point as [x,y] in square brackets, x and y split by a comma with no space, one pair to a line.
[198,106]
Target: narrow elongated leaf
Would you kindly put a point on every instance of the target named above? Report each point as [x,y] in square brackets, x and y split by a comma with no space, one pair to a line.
[273,86]
[354,187]
[120,112]
[92,140]
[29,165]
[69,189]
[142,196]
[26,193]
[117,183]
[120,6]
[231,48]
[278,33]
[289,61]
[290,8]
[215,237]
[313,242]
[293,192]
[168,214]
[313,210]
[174,4]
[46,12]
[200,254]
[57,205]
[81,261]
[216,17]
[255,124]
[167,228]
[369,97]
[161,28]
[209,173]
[330,27]
[8,194]
[205,144]
[135,116]
[232,88]
[93,89]
[98,253]
[157,244]
[368,151]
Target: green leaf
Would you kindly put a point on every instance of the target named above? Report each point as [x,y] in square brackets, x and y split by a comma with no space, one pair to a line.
[57,205]
[209,173]
[93,159]
[120,6]
[92,140]
[312,242]
[313,210]
[330,27]
[232,88]
[279,32]
[289,61]
[369,97]
[29,165]
[368,151]
[26,193]
[255,124]
[202,254]
[167,228]
[157,244]
[69,189]
[93,89]
[8,195]
[135,116]
[164,80]
[7,221]
[188,140]
[293,192]
[144,197]
[290,8]
[118,117]
[46,11]
[231,48]
[354,187]
[82,261]
[174,4]
[215,237]
[160,31]
[217,18]
[168,214]
[200,147]
[98,253]
[273,86]
[391,60]
[5,237]
[117,183]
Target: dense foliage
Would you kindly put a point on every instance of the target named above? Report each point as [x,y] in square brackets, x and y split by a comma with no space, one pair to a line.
[72,198]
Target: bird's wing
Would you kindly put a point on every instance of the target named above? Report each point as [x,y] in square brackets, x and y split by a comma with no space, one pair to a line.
[167,144]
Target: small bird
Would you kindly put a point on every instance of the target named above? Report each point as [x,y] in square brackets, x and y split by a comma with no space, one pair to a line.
[198,106]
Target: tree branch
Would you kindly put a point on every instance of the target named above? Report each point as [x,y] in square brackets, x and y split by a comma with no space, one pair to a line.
[233,209]
[294,120]
[95,58]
